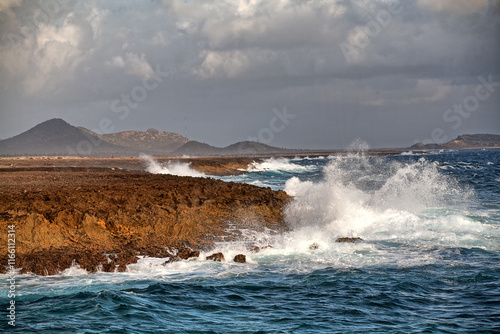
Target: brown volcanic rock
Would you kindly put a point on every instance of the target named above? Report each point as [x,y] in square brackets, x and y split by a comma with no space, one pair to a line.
[240,258]
[216,257]
[103,218]
[349,240]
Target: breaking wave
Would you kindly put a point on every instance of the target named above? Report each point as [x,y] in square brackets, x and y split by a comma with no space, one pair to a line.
[278,165]
[379,199]
[173,168]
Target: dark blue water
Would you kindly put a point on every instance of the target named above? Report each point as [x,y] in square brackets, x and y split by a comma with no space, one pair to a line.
[429,262]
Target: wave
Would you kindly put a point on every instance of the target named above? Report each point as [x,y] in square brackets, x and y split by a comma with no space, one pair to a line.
[172,168]
[278,165]
[378,199]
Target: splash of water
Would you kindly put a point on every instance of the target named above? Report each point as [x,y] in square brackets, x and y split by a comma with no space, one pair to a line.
[173,168]
[276,164]
[380,199]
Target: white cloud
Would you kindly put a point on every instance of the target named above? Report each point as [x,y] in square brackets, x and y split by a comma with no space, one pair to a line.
[133,64]
[138,65]
[116,62]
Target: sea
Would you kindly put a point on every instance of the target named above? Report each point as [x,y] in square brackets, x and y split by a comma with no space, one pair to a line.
[428,262]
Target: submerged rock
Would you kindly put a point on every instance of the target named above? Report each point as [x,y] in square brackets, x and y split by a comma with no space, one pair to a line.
[183,254]
[314,246]
[347,239]
[240,258]
[216,257]
[254,249]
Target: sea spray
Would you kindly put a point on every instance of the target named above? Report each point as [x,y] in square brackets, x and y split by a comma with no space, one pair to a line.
[173,168]
[429,265]
[380,199]
[277,165]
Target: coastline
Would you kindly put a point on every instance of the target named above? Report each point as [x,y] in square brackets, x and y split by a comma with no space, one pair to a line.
[103,212]
[103,218]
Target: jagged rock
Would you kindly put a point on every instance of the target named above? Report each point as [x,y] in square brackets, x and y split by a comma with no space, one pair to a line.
[255,249]
[347,239]
[240,258]
[187,254]
[91,212]
[314,246]
[216,257]
[183,254]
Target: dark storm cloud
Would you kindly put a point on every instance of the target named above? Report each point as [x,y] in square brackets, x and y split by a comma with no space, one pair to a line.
[384,71]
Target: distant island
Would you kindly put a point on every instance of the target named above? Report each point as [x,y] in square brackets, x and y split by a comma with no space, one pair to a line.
[56,137]
[463,142]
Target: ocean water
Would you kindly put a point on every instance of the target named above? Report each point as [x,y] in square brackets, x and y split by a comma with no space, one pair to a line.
[429,261]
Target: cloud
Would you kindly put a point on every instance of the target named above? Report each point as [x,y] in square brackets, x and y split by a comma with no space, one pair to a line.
[236,60]
[132,64]
[7,4]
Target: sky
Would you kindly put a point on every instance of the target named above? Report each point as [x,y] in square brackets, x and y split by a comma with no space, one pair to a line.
[311,74]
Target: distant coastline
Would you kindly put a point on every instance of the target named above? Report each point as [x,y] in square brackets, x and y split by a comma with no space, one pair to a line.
[56,137]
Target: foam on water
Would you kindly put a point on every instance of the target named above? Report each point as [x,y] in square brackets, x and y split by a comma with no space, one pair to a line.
[277,165]
[380,200]
[173,168]
[430,252]
[408,213]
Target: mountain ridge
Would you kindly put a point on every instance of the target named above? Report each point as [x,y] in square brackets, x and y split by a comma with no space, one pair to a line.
[151,141]
[57,137]
[240,148]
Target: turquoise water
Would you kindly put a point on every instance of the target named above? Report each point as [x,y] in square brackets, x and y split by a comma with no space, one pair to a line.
[429,262]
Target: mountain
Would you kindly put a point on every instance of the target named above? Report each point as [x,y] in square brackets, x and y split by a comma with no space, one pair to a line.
[194,147]
[56,137]
[463,142]
[244,147]
[151,141]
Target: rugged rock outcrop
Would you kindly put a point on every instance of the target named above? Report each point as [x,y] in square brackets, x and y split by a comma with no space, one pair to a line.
[103,218]
[349,240]
[240,258]
[219,257]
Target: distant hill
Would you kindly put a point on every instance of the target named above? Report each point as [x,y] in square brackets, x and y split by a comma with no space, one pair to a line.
[194,147]
[56,137]
[151,141]
[244,147]
[463,142]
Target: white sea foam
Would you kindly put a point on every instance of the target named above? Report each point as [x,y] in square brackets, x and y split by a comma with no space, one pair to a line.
[407,213]
[173,168]
[380,200]
[278,164]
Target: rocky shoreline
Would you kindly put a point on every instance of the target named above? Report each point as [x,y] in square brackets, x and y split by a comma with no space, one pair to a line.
[102,218]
